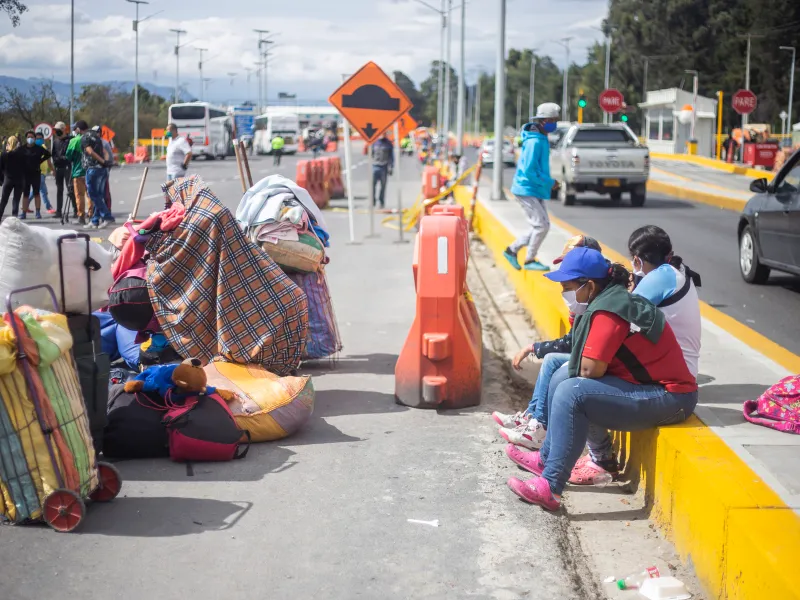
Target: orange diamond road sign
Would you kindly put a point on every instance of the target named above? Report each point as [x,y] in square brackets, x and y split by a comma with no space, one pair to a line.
[406,124]
[370,101]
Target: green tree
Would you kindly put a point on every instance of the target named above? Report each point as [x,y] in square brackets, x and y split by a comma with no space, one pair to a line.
[14,9]
[405,83]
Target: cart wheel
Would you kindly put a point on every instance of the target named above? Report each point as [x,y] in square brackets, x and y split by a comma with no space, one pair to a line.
[63,510]
[110,483]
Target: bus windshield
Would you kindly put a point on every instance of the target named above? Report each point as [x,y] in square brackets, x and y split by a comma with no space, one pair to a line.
[188,112]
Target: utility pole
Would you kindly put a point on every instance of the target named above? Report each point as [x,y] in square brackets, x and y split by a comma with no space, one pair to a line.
[608,69]
[447,86]
[135,78]
[178,33]
[791,90]
[519,110]
[565,92]
[462,83]
[478,106]
[200,68]
[261,33]
[695,78]
[249,71]
[72,64]
[499,104]
[532,84]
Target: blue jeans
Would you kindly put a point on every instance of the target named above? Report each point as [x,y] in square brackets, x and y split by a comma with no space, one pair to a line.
[379,173]
[42,193]
[610,402]
[551,363]
[96,186]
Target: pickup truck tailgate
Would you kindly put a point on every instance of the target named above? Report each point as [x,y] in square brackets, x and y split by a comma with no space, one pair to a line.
[611,162]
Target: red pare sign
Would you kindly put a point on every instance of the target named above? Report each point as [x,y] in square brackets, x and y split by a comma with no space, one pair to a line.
[744,102]
[611,100]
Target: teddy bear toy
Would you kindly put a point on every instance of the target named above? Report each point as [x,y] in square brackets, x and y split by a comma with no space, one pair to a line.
[185,379]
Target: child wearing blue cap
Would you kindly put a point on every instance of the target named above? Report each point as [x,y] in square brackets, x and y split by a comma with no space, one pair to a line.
[626,372]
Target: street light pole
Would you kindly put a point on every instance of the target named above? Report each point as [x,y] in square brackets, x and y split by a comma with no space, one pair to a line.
[135,77]
[565,93]
[178,33]
[261,33]
[695,77]
[200,68]
[791,89]
[72,65]
[499,104]
[608,70]
[462,83]
[447,90]
[478,107]
[532,83]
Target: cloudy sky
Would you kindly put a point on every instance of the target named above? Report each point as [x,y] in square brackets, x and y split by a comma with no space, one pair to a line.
[315,40]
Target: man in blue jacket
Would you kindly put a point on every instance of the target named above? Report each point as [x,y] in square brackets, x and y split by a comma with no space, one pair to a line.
[532,186]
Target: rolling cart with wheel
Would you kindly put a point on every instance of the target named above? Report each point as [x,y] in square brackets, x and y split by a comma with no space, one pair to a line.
[48,465]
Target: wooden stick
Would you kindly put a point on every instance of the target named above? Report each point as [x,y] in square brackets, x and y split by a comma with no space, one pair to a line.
[239,166]
[139,194]
[246,161]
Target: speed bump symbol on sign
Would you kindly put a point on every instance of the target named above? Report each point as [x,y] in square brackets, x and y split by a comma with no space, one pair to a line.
[370,101]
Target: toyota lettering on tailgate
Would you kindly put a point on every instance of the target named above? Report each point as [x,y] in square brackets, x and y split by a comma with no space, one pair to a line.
[611,164]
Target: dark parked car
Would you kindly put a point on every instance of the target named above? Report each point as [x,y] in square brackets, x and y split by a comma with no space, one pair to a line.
[769,226]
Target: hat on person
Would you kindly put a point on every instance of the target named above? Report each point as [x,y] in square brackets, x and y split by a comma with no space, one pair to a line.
[548,110]
[578,241]
[96,128]
[82,125]
[581,263]
[60,125]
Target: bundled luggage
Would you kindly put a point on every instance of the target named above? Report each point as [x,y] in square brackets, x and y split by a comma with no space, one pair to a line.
[47,459]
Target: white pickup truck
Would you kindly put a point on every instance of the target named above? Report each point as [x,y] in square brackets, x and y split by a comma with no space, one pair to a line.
[606,159]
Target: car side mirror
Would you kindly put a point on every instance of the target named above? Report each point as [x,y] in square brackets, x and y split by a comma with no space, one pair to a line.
[759,186]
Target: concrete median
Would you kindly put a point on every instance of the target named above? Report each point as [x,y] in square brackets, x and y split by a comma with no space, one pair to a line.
[712,483]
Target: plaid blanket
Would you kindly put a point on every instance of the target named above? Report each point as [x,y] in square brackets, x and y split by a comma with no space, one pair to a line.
[215,294]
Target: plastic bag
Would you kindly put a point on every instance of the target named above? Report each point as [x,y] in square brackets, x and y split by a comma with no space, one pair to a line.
[29,256]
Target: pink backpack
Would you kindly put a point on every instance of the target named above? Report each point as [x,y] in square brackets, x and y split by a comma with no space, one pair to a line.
[778,407]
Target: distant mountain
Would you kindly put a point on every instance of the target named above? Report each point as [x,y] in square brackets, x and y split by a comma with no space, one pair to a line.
[62,89]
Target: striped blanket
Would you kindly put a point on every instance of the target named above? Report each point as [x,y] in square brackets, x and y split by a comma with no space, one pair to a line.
[215,294]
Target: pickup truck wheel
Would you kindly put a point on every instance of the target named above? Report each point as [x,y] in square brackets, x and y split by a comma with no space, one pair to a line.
[638,196]
[565,194]
[616,198]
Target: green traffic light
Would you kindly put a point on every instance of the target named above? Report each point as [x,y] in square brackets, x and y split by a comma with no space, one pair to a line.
[624,118]
[582,102]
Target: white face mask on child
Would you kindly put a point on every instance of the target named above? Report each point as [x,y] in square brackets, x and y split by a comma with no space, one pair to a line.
[640,271]
[571,300]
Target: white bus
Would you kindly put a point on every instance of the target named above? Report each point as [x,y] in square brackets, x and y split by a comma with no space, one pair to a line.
[210,128]
[269,125]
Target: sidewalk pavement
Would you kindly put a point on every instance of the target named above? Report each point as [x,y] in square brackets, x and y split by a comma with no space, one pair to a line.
[696,183]
[720,486]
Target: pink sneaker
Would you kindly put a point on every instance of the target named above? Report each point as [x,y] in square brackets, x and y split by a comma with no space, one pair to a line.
[588,472]
[530,461]
[536,491]
[509,420]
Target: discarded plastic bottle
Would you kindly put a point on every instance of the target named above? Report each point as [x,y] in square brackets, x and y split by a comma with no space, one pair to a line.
[635,581]
[602,479]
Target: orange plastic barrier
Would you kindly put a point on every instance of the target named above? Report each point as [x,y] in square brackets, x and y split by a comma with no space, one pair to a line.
[317,185]
[336,184]
[431,182]
[141,155]
[301,145]
[332,147]
[302,176]
[440,363]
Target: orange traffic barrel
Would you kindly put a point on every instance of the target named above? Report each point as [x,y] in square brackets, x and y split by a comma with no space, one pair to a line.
[440,363]
[431,182]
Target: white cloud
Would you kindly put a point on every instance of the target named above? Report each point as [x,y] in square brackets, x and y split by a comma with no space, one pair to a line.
[316,40]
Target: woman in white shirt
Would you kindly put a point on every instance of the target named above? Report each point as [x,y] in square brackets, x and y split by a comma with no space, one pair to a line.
[179,153]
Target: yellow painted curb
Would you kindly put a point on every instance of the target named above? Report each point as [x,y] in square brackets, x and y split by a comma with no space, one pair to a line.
[739,535]
[719,165]
[685,193]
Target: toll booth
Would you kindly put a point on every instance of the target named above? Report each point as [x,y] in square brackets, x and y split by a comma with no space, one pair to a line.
[666,128]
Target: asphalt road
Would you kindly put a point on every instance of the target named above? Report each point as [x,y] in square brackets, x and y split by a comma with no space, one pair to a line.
[740,183]
[706,239]
[325,513]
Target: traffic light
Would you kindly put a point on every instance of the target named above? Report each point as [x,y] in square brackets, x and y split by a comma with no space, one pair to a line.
[581,106]
[624,118]
[582,101]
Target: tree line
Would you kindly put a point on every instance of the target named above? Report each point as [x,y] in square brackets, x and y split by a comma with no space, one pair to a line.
[96,104]
[656,39]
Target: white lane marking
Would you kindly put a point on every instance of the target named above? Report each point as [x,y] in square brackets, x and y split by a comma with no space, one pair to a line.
[151,196]
[134,178]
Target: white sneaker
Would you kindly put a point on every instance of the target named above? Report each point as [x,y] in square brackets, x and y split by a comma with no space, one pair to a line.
[511,421]
[529,435]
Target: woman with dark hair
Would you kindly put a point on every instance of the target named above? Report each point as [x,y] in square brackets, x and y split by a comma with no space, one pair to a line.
[626,372]
[12,165]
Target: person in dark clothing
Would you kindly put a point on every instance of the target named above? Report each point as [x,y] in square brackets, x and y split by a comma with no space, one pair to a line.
[96,165]
[63,169]
[12,165]
[382,165]
[34,154]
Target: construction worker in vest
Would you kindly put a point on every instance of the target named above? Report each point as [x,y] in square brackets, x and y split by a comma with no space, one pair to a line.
[277,150]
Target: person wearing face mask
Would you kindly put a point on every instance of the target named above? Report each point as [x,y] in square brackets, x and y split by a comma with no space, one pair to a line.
[12,165]
[75,155]
[35,154]
[626,372]
[532,186]
[528,428]
[46,167]
[63,169]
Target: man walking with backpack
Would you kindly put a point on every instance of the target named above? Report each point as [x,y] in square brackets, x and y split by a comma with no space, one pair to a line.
[63,169]
[382,165]
[96,175]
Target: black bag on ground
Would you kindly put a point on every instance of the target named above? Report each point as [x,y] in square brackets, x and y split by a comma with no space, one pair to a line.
[94,366]
[134,428]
